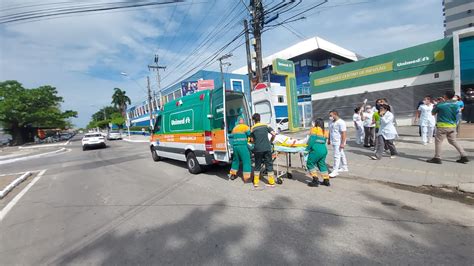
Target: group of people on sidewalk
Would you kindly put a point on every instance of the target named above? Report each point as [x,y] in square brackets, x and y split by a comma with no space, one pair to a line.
[375,128]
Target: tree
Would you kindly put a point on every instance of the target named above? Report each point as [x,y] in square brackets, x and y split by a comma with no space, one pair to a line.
[22,109]
[117,119]
[120,100]
[108,110]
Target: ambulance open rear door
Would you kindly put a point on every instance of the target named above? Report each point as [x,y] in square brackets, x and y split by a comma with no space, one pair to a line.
[219,132]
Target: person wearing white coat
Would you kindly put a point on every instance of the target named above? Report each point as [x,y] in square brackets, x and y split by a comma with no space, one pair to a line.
[358,125]
[387,133]
[427,120]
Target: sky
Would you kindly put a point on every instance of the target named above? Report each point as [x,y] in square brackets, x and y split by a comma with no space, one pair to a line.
[83,55]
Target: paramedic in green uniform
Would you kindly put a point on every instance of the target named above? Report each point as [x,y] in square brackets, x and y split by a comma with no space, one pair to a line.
[262,149]
[318,151]
[240,135]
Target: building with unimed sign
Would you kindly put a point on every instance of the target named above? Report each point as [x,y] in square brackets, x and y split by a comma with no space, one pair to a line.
[404,77]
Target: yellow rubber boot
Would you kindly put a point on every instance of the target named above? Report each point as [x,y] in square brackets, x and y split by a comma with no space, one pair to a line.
[256,179]
[315,181]
[271,179]
[326,179]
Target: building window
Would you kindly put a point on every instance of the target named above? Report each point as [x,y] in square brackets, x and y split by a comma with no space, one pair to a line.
[303,63]
[281,99]
[237,85]
[177,94]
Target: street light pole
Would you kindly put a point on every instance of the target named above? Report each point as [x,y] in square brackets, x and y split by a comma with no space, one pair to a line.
[157,67]
[221,65]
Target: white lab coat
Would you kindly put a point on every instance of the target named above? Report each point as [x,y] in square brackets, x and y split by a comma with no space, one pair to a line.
[427,119]
[387,127]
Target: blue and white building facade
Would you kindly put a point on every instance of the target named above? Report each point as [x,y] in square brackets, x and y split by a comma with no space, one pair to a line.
[138,115]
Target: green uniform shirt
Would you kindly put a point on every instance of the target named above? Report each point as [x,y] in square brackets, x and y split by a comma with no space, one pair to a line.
[376,118]
[446,114]
[239,135]
[259,135]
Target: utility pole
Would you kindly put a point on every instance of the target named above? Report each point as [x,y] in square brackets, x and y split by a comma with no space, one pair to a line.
[221,65]
[249,57]
[157,67]
[150,109]
[257,16]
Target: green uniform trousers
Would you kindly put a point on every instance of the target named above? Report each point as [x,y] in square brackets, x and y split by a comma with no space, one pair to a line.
[317,159]
[241,153]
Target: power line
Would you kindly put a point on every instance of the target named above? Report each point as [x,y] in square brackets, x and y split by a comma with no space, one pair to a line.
[210,36]
[77,9]
[207,42]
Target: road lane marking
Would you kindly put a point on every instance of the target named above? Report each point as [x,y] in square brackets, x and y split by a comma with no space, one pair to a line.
[12,203]
[34,156]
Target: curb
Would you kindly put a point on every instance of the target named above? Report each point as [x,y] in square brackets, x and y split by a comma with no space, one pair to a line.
[31,157]
[13,184]
[44,145]
[466,187]
[135,140]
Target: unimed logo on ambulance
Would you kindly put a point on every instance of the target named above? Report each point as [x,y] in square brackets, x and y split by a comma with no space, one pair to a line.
[182,120]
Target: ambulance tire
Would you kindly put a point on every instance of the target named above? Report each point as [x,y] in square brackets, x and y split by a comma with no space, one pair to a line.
[155,156]
[193,164]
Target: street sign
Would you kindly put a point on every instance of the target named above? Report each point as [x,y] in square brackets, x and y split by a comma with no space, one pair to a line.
[286,68]
[205,84]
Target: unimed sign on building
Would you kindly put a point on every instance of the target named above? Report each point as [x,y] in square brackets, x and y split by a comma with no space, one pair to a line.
[287,68]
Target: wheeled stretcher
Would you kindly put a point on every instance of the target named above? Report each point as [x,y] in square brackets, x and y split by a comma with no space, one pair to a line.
[287,169]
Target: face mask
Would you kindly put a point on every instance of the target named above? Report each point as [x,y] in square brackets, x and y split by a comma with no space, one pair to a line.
[426,102]
[331,118]
[377,106]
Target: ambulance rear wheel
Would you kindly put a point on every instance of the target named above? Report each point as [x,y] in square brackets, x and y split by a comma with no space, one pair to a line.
[155,156]
[193,164]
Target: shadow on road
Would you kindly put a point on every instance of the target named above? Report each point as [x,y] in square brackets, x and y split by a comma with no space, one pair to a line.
[283,234]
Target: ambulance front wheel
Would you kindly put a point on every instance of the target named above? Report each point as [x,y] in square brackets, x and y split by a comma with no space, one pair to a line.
[155,156]
[193,164]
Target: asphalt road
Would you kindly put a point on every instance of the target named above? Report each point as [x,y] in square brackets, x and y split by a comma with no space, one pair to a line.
[116,206]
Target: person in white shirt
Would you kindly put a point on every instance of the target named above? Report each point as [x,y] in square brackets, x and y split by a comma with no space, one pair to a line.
[358,125]
[426,120]
[387,133]
[337,138]
[369,127]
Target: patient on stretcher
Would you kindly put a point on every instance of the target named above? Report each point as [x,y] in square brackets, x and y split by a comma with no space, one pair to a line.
[283,140]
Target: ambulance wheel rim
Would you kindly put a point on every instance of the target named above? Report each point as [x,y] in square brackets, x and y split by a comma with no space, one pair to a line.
[191,163]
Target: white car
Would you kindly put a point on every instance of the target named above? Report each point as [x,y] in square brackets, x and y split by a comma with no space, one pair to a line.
[114,135]
[93,140]
[282,124]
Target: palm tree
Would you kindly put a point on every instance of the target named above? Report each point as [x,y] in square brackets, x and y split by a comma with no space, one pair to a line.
[120,100]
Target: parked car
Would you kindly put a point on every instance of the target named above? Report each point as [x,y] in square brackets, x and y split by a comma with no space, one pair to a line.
[65,136]
[282,124]
[114,135]
[93,140]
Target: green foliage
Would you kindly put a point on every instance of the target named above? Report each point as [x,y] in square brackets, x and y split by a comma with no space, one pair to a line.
[117,119]
[39,107]
[109,111]
[120,100]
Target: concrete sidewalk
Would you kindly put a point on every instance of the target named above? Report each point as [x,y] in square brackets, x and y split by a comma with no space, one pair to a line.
[136,138]
[410,167]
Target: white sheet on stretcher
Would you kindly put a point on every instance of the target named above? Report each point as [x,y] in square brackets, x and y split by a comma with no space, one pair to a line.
[289,149]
